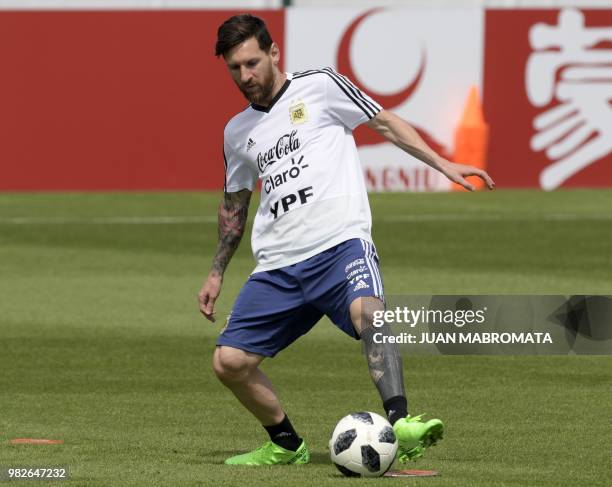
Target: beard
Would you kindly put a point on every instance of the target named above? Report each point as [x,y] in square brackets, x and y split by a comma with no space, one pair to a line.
[259,93]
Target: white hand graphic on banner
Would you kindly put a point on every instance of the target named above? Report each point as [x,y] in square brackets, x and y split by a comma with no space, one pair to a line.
[568,66]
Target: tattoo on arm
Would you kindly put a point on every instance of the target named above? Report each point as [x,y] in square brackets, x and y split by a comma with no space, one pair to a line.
[233,212]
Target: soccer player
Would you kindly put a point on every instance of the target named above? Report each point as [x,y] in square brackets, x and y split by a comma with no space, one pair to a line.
[311,236]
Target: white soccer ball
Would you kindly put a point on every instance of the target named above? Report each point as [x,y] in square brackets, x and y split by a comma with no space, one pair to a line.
[363,444]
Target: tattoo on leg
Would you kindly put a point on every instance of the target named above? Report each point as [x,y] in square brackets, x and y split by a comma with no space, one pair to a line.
[385,363]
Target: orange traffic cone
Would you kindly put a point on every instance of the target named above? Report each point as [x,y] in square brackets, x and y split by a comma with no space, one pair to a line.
[472,138]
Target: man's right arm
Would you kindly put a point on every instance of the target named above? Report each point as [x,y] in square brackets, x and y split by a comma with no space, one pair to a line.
[232,218]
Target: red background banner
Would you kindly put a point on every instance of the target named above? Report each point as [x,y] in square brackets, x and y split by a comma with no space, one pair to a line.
[508,111]
[136,100]
[115,100]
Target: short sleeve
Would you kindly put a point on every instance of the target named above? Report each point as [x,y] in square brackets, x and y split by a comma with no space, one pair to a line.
[348,104]
[239,174]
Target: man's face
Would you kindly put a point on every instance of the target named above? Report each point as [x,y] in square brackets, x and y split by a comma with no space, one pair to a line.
[253,70]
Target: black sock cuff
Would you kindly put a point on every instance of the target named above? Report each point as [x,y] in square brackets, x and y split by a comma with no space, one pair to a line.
[284,435]
[396,407]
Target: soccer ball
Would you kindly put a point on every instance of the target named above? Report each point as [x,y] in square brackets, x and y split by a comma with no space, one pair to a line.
[363,444]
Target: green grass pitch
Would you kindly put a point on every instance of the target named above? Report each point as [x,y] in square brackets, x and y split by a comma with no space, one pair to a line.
[102,344]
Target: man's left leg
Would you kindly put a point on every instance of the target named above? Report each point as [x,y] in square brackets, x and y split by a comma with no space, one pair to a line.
[386,370]
[345,283]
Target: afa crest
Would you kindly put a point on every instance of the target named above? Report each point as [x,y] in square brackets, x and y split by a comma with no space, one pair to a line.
[298,113]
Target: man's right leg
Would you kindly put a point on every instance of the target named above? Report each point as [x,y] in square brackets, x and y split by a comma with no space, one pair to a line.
[269,314]
[239,371]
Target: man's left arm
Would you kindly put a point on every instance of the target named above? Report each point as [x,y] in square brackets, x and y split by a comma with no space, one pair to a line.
[403,135]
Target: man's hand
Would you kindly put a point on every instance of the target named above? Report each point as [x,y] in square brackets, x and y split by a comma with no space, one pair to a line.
[396,130]
[208,295]
[458,172]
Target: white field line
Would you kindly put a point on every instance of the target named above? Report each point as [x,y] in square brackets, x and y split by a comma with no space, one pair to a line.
[180,220]
[493,217]
[111,220]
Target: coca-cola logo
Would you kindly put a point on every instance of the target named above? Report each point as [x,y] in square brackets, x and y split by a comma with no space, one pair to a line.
[286,144]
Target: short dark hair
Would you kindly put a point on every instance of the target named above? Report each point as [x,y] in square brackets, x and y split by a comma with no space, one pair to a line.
[238,29]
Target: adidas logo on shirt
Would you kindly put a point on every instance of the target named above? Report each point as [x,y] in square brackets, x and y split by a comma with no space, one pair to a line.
[250,144]
[360,285]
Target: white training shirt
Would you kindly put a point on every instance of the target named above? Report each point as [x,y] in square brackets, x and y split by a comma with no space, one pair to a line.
[301,147]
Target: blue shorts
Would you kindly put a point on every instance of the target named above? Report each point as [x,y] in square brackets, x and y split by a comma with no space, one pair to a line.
[274,308]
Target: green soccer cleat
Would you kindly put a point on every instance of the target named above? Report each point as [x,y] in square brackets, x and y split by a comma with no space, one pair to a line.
[272,454]
[414,436]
